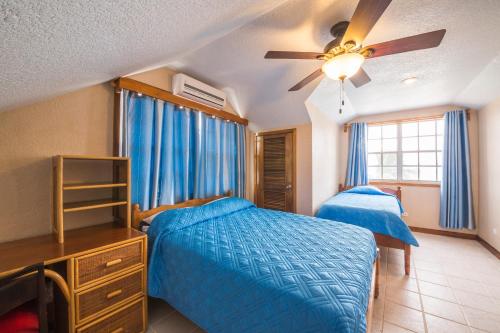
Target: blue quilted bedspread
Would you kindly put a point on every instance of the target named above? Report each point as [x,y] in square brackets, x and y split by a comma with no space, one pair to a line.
[368,207]
[232,267]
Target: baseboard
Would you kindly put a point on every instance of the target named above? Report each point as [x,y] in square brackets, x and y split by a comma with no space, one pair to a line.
[489,247]
[444,233]
[462,235]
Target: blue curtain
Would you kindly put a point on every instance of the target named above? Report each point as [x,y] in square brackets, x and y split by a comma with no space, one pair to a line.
[179,154]
[456,191]
[357,169]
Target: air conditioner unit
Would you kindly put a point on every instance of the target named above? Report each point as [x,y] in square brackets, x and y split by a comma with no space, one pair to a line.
[195,90]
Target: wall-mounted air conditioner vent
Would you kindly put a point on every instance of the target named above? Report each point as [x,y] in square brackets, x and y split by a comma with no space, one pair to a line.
[195,90]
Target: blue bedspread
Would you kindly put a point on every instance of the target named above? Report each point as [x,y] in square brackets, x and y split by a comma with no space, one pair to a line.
[370,208]
[232,267]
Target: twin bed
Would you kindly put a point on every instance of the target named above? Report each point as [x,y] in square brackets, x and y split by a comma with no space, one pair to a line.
[232,267]
[378,210]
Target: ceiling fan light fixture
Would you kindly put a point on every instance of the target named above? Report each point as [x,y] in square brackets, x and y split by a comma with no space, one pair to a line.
[343,66]
[409,80]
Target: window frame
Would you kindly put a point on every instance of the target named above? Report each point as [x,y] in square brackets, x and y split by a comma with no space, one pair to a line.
[399,152]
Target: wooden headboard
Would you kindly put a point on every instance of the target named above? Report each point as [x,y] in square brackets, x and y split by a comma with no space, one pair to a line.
[138,215]
[396,193]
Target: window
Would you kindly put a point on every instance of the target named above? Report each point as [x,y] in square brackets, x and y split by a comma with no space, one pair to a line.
[409,151]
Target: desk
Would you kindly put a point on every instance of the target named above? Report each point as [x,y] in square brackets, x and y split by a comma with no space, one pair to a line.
[104,267]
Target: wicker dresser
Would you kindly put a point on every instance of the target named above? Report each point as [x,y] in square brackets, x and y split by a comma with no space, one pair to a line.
[109,288]
[103,269]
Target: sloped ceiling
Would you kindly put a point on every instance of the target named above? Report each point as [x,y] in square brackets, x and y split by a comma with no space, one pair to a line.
[50,47]
[456,72]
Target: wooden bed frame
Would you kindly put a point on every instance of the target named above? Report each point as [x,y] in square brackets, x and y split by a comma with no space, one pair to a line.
[138,216]
[388,241]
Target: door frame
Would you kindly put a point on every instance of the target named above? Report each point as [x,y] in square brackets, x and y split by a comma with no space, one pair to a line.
[294,162]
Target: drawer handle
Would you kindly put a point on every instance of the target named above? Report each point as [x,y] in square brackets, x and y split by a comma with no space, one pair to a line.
[118,330]
[113,262]
[113,294]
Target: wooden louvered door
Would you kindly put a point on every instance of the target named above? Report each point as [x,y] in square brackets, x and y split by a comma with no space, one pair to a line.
[275,170]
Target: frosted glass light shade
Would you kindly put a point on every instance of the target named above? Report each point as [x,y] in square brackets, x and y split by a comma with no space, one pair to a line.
[343,66]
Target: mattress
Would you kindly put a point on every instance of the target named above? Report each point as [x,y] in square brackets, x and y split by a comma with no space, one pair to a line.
[231,267]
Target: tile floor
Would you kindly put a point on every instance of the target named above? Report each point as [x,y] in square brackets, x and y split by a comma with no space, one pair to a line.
[454,286]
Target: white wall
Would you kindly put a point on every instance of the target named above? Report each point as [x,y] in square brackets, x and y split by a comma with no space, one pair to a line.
[422,203]
[489,173]
[325,156]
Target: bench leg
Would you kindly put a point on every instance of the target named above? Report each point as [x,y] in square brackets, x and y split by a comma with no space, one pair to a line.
[407,258]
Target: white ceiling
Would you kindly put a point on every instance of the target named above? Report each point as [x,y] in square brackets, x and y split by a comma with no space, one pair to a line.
[458,71]
[50,47]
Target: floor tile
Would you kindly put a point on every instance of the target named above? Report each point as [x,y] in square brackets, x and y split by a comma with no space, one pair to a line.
[436,290]
[404,297]
[390,328]
[467,285]
[404,317]
[432,277]
[158,309]
[482,320]
[443,309]
[440,325]
[403,282]
[477,301]
[174,323]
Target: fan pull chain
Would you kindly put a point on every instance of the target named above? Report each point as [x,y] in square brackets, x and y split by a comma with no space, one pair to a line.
[342,94]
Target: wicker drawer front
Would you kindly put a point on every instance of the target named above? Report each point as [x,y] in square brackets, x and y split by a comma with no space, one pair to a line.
[93,301]
[94,266]
[129,319]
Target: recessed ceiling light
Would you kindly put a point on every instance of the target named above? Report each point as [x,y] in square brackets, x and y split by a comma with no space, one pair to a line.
[409,80]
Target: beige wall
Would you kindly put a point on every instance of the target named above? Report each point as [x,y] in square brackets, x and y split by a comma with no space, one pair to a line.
[325,157]
[422,203]
[489,171]
[80,122]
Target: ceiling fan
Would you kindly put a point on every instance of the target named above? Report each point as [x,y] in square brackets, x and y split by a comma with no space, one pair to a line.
[345,54]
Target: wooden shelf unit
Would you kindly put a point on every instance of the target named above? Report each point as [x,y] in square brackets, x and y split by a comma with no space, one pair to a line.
[119,186]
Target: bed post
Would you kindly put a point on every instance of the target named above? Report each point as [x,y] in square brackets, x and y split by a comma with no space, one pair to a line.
[398,193]
[377,274]
[136,219]
[407,250]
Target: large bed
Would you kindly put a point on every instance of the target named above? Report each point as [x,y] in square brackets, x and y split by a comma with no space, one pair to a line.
[378,210]
[231,267]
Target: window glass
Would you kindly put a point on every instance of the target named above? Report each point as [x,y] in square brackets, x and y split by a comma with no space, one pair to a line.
[390,159]
[427,143]
[410,158]
[374,132]
[410,144]
[390,131]
[374,160]
[410,173]
[390,144]
[374,146]
[427,128]
[374,172]
[427,158]
[409,129]
[390,173]
[406,151]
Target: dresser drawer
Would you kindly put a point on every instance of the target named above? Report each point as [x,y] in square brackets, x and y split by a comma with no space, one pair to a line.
[129,319]
[94,301]
[100,264]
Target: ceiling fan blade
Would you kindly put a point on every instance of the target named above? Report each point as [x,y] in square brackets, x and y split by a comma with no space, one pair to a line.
[418,42]
[365,16]
[291,55]
[311,77]
[360,78]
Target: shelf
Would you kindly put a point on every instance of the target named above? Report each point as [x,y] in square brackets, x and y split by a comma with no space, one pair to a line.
[92,204]
[88,186]
[90,157]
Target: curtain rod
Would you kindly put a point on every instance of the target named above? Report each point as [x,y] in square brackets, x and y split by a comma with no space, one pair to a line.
[405,120]
[164,95]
